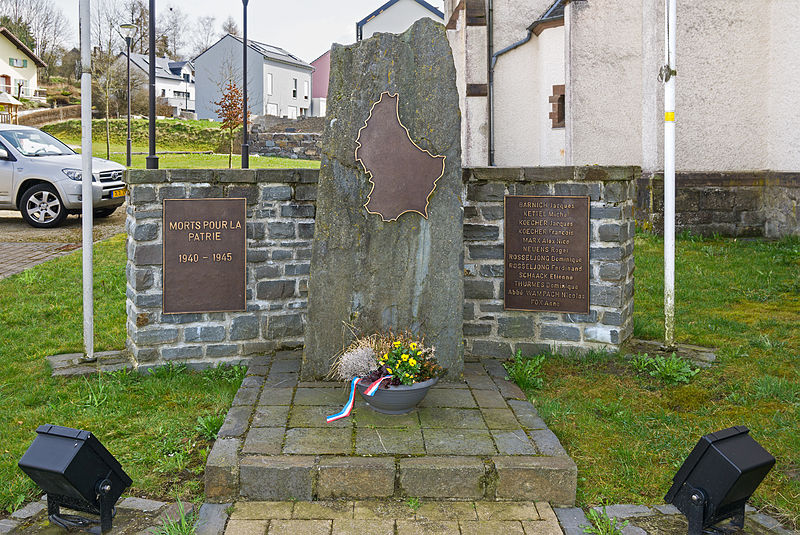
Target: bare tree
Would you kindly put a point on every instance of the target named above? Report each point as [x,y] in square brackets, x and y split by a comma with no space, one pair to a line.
[203,37]
[40,24]
[230,27]
[107,70]
[173,26]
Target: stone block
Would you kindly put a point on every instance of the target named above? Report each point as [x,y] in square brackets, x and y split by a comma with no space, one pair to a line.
[222,471]
[565,333]
[154,336]
[306,527]
[142,279]
[477,329]
[485,252]
[492,270]
[527,415]
[480,232]
[284,477]
[547,443]
[489,399]
[624,511]
[601,333]
[612,318]
[611,232]
[205,192]
[469,311]
[293,270]
[606,253]
[284,326]
[492,213]
[516,326]
[607,296]
[318,441]
[34,508]
[355,477]
[276,193]
[605,212]
[236,422]
[612,271]
[442,477]
[245,396]
[144,255]
[448,418]
[279,289]
[498,511]
[182,352]
[255,230]
[142,194]
[490,348]
[305,231]
[470,212]
[211,519]
[388,441]
[489,192]
[478,289]
[244,328]
[552,479]
[249,192]
[305,192]
[298,210]
[263,441]
[146,231]
[448,397]
[281,230]
[171,192]
[458,442]
[204,334]
[148,300]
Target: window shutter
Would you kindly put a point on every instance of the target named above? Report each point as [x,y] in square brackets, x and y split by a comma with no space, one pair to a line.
[24,63]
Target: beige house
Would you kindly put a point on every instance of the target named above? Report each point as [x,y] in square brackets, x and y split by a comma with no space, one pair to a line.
[580,85]
[18,68]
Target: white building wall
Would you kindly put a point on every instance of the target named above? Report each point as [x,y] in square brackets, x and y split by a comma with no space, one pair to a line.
[549,72]
[604,83]
[282,84]
[27,74]
[397,18]
[784,86]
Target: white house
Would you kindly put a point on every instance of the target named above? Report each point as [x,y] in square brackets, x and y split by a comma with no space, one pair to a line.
[396,16]
[576,83]
[175,80]
[278,82]
[18,68]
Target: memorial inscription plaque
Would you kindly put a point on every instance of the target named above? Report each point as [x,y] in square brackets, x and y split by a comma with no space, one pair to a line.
[547,253]
[204,255]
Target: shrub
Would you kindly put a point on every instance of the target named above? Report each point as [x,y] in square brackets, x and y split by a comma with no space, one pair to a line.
[602,524]
[671,370]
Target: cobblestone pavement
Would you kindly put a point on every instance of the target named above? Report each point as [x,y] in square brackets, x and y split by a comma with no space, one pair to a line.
[392,518]
[17,257]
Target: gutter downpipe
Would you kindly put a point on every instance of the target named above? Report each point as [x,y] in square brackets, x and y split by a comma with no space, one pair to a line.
[492,64]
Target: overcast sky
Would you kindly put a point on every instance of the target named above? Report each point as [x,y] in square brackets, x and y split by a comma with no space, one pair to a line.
[305,28]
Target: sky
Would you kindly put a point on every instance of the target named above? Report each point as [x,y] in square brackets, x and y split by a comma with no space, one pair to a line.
[305,28]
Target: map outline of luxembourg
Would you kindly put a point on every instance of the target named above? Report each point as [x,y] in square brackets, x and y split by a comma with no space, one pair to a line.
[390,185]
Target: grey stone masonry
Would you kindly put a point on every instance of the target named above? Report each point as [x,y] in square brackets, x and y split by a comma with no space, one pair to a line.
[489,330]
[280,222]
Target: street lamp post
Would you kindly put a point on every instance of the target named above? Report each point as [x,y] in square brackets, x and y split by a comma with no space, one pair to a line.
[128,30]
[152,159]
[245,146]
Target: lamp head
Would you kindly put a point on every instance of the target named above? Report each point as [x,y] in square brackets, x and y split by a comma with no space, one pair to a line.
[127,31]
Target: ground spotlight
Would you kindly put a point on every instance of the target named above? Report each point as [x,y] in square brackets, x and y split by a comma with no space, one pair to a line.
[76,472]
[716,479]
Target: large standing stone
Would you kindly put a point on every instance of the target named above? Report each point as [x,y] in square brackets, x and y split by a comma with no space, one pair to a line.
[403,274]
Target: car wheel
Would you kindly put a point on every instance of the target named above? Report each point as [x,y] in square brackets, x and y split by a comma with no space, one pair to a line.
[100,213]
[41,207]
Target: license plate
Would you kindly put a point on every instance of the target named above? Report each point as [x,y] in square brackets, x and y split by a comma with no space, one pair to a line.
[118,193]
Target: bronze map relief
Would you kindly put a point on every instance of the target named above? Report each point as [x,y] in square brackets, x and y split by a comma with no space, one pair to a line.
[402,174]
[547,253]
[204,255]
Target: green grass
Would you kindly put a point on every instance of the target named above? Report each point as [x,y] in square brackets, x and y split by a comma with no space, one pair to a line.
[148,422]
[629,432]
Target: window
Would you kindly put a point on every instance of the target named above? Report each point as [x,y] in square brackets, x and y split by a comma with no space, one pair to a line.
[558,101]
[21,87]
[5,83]
[305,89]
[292,112]
[187,78]
[269,83]
[181,94]
[294,89]
[14,62]
[272,109]
[163,92]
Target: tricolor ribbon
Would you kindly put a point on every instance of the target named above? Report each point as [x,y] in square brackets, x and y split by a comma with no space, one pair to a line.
[348,408]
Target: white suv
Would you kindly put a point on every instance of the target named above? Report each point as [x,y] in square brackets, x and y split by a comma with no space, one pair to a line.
[41,177]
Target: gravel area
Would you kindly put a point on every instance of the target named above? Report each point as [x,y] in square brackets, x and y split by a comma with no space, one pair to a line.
[14,229]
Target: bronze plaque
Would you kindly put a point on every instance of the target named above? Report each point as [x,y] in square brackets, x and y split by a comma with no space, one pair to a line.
[547,253]
[204,255]
[403,175]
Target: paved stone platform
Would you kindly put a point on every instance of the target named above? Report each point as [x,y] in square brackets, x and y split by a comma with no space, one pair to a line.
[390,518]
[474,440]
[17,257]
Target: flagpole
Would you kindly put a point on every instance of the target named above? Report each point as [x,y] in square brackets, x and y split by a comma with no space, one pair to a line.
[87,202]
[668,75]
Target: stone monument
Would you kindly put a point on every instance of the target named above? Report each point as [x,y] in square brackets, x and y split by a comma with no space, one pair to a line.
[388,242]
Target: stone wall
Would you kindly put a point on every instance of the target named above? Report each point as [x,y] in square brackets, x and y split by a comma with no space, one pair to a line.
[490,330]
[280,225]
[295,145]
[281,207]
[756,203]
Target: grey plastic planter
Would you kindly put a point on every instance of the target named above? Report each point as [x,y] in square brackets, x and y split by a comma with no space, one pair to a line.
[397,399]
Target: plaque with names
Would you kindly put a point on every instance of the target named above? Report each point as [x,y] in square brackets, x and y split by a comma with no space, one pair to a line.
[204,255]
[547,253]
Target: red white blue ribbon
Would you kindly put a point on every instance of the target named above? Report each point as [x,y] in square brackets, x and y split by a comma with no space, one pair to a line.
[348,408]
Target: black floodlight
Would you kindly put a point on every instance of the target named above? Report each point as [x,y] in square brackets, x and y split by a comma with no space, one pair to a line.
[76,472]
[719,475]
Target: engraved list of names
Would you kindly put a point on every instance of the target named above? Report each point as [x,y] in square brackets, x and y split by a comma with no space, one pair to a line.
[547,253]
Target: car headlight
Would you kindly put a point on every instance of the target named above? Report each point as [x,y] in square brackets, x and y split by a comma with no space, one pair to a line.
[73,174]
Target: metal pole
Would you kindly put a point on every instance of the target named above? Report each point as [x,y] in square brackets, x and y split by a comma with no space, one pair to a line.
[245,135]
[152,159]
[87,204]
[128,157]
[668,74]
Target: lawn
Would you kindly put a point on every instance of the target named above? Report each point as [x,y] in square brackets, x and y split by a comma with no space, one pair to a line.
[150,423]
[629,432]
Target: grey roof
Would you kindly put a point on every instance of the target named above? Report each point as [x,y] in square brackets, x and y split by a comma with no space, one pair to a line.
[176,66]
[555,11]
[275,53]
[164,67]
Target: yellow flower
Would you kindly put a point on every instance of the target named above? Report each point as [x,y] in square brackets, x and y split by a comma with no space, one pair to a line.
[388,370]
[406,375]
[404,357]
[397,344]
[413,362]
[413,345]
[385,356]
